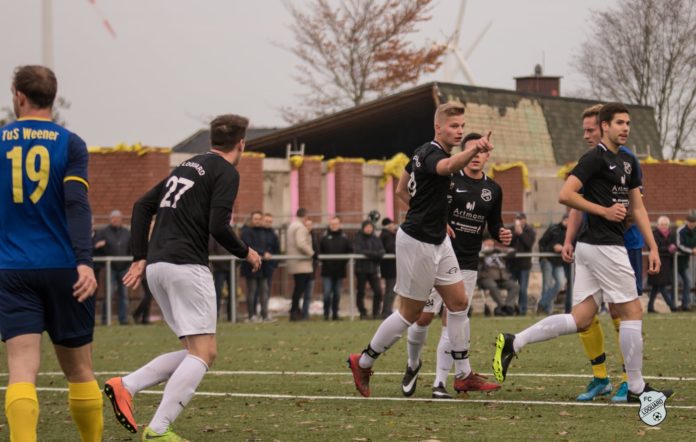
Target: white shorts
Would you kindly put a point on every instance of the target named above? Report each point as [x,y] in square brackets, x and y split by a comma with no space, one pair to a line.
[434,302]
[605,273]
[420,266]
[186,295]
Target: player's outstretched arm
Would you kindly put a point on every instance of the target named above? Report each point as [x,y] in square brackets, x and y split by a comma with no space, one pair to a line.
[574,223]
[254,259]
[640,215]
[402,188]
[135,274]
[219,227]
[456,162]
[505,236]
[86,283]
[143,211]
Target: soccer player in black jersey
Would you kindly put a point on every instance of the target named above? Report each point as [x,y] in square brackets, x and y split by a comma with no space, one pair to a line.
[193,202]
[475,202]
[424,254]
[611,181]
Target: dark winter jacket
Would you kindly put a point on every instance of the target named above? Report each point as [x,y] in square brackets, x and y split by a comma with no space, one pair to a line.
[273,247]
[522,244]
[117,244]
[334,243]
[388,266]
[666,274]
[254,237]
[370,246]
[686,241]
[555,234]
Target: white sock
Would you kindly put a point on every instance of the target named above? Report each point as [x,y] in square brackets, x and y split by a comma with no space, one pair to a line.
[178,392]
[154,372]
[458,333]
[548,328]
[389,331]
[417,334]
[631,340]
[444,359]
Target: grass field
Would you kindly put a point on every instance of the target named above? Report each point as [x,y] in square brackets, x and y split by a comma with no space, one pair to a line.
[253,394]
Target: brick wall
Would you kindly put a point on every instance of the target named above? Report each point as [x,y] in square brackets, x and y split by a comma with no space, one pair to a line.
[513,192]
[349,191]
[118,179]
[250,196]
[311,192]
[669,189]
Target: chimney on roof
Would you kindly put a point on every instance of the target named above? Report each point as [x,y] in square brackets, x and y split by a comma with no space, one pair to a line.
[539,84]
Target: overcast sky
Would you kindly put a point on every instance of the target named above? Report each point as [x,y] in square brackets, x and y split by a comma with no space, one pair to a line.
[174,63]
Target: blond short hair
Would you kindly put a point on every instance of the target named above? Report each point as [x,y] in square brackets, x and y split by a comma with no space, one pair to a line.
[592,111]
[449,109]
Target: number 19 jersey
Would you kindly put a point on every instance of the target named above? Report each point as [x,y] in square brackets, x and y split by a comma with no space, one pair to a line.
[36,157]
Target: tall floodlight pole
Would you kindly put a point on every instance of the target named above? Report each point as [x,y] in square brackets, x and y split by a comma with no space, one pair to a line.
[47,33]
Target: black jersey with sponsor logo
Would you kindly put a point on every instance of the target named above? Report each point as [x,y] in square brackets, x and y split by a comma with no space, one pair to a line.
[473,204]
[185,199]
[607,178]
[426,219]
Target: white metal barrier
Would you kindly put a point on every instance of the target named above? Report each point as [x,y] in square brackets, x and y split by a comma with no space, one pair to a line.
[350,258]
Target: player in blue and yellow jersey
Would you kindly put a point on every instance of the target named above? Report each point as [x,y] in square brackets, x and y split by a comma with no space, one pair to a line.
[46,276]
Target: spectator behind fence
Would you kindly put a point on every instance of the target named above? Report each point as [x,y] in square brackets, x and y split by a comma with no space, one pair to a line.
[97,251]
[523,237]
[493,275]
[686,242]
[221,272]
[254,235]
[388,266]
[116,240]
[272,248]
[367,270]
[553,274]
[333,271]
[299,242]
[660,282]
[309,290]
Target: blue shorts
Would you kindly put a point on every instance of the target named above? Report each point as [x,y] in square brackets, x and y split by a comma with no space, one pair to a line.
[32,301]
[636,258]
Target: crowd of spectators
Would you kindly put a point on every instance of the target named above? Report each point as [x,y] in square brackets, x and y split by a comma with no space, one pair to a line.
[503,275]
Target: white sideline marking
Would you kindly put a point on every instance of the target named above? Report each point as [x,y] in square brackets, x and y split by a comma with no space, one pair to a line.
[389,399]
[386,373]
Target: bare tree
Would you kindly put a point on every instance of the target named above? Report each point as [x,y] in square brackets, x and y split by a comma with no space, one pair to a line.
[644,52]
[356,51]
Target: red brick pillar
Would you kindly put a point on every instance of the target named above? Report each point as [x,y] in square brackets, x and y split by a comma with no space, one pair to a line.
[512,183]
[349,190]
[250,195]
[309,175]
